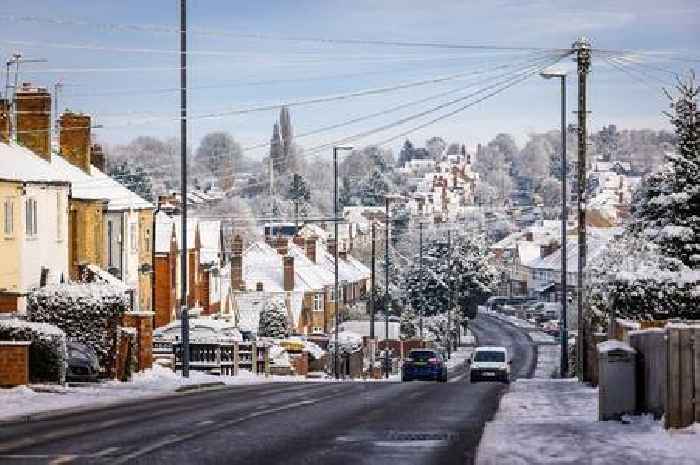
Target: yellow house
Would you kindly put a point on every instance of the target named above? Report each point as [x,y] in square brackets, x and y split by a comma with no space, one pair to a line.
[33,234]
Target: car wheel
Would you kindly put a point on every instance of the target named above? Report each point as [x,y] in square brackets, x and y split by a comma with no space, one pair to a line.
[405,379]
[472,379]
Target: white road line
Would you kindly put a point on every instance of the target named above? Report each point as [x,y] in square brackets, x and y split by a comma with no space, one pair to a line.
[457,378]
[204,422]
[420,443]
[174,439]
[63,459]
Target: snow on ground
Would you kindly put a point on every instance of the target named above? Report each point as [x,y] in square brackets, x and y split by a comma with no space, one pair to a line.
[459,357]
[157,381]
[555,421]
[548,361]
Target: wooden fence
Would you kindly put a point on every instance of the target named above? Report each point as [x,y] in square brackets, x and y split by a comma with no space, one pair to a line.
[683,375]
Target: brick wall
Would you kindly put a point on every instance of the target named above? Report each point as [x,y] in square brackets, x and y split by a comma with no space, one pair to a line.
[8,303]
[14,363]
[142,322]
[164,294]
[4,121]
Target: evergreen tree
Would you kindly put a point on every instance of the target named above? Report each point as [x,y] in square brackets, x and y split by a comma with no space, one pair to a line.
[668,211]
[136,181]
[298,193]
[273,319]
[408,323]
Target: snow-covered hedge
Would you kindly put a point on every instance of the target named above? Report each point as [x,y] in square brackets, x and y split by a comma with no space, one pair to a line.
[634,279]
[87,313]
[348,342]
[47,353]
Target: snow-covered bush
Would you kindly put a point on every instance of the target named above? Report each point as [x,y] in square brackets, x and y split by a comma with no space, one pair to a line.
[47,352]
[87,313]
[633,279]
[273,319]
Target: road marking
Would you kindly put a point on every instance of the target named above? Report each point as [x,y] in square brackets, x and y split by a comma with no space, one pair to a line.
[457,378]
[204,422]
[423,443]
[107,451]
[63,459]
[174,439]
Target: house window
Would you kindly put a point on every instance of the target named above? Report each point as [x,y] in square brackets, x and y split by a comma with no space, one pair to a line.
[59,217]
[110,232]
[318,302]
[147,240]
[133,238]
[31,217]
[9,218]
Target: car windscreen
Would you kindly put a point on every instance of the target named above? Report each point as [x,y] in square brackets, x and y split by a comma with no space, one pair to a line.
[489,356]
[422,355]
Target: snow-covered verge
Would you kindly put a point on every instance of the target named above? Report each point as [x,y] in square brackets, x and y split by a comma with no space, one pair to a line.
[157,381]
[555,421]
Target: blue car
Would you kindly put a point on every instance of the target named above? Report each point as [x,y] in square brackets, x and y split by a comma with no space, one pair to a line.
[424,364]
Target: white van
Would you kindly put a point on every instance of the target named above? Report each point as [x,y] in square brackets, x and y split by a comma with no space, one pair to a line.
[489,363]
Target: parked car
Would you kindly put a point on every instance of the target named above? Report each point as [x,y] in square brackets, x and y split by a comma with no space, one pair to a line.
[489,364]
[82,363]
[424,364]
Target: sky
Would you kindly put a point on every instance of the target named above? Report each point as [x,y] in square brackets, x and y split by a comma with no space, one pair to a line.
[118,61]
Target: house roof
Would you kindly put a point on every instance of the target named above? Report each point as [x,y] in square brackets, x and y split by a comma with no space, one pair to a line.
[210,240]
[527,251]
[22,165]
[597,240]
[315,276]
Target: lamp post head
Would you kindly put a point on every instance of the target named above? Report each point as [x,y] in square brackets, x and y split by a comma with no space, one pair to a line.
[553,73]
[343,147]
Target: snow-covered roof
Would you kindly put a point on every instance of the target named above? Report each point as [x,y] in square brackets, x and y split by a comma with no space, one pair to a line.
[346,271]
[210,240]
[21,164]
[310,229]
[362,328]
[527,251]
[249,305]
[596,242]
[163,233]
[542,233]
[315,276]
[359,266]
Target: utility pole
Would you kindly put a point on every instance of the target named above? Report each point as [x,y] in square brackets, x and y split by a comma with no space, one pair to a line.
[372,294]
[184,318]
[449,304]
[582,48]
[420,264]
[386,287]
[335,259]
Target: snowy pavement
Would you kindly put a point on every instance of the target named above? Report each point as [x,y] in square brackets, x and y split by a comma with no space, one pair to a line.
[555,421]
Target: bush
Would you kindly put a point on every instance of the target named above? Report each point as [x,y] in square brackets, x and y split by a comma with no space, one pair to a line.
[87,313]
[47,353]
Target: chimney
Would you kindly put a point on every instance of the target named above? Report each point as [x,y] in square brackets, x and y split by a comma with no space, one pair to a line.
[311,248]
[298,241]
[331,246]
[288,273]
[281,245]
[74,139]
[4,121]
[237,264]
[33,106]
[97,157]
[259,286]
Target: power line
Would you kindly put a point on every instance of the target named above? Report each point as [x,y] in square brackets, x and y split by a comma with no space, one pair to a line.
[218,33]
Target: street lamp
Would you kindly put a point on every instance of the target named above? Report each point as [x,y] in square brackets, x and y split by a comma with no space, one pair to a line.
[563,330]
[336,149]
